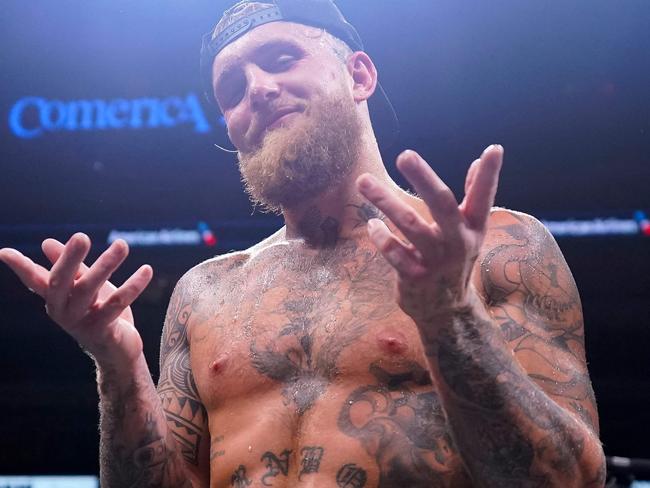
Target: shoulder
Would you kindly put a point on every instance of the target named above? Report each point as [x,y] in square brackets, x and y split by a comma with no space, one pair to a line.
[221,268]
[518,232]
[208,271]
[504,222]
[194,298]
[520,252]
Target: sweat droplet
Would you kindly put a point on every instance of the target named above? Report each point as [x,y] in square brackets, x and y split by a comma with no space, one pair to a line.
[250,448]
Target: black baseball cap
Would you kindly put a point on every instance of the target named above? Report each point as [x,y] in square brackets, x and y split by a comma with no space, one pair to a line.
[317,13]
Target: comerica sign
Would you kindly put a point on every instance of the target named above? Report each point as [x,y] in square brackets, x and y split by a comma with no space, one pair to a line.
[31,117]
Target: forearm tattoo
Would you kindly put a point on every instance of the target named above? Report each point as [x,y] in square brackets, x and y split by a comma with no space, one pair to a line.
[176,386]
[134,447]
[508,424]
[148,437]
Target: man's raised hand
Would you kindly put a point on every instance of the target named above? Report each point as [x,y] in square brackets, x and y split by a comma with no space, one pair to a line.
[435,265]
[81,300]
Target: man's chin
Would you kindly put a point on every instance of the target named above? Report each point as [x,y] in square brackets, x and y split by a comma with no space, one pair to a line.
[302,157]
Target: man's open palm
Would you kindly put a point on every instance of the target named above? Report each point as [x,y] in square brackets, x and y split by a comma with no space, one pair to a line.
[81,300]
[434,265]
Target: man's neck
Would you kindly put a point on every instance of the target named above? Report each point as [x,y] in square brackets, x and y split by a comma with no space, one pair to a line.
[338,213]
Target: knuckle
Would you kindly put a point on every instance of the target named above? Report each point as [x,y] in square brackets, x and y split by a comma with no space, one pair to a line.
[446,197]
[388,246]
[378,198]
[105,268]
[83,287]
[410,219]
[130,291]
[119,300]
[116,301]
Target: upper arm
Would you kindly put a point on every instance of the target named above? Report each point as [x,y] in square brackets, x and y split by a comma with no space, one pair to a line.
[185,413]
[533,297]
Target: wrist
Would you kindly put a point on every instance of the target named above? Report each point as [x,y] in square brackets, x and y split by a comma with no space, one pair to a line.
[116,365]
[448,320]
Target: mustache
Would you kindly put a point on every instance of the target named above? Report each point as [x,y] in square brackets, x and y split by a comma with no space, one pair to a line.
[262,119]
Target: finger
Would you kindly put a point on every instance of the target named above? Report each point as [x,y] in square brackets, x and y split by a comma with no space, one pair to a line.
[32,275]
[405,218]
[439,198]
[405,260]
[53,250]
[65,269]
[471,173]
[86,289]
[480,197]
[123,297]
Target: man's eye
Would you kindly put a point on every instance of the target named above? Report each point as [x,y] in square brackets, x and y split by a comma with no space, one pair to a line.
[231,92]
[234,96]
[283,61]
[285,58]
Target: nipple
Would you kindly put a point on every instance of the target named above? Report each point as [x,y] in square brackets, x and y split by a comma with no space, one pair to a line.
[219,364]
[392,342]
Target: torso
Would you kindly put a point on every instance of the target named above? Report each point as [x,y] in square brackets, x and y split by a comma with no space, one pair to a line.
[312,375]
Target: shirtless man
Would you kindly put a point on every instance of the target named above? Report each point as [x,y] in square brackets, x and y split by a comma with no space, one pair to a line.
[379,339]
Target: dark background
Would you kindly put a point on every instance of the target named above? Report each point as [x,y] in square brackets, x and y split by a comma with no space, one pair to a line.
[564,86]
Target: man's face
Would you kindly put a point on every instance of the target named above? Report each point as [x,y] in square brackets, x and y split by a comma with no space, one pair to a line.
[288,103]
[269,76]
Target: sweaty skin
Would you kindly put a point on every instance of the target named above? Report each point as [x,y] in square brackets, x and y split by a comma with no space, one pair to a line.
[310,374]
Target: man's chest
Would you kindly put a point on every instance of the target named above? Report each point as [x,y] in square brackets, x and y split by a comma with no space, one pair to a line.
[303,326]
[321,358]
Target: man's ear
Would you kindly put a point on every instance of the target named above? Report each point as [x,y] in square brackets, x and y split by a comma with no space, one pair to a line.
[364,75]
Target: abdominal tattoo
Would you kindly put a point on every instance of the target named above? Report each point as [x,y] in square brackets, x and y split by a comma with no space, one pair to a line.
[351,476]
[216,448]
[275,465]
[400,423]
[239,479]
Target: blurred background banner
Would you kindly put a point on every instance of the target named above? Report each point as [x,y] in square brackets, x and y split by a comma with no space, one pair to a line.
[104,129]
[49,482]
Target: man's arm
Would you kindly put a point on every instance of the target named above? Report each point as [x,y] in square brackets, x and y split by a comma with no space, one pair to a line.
[528,418]
[186,416]
[532,296]
[512,420]
[137,448]
[156,438]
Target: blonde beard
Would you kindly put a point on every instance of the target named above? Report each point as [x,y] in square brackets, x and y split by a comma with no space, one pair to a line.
[297,163]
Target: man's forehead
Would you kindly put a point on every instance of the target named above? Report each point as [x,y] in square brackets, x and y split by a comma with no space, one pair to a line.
[255,41]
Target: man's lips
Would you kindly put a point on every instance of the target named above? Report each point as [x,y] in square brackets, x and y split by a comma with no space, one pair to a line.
[279,118]
[276,119]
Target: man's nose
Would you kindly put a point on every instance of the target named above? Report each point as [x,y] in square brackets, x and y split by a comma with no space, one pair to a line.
[262,87]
